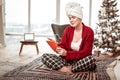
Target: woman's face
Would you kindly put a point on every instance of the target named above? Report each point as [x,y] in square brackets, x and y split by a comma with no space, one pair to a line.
[74,21]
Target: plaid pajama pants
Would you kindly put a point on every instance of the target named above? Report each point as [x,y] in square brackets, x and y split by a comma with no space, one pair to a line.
[56,62]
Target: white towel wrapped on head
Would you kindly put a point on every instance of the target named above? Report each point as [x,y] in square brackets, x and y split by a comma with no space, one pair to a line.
[74,9]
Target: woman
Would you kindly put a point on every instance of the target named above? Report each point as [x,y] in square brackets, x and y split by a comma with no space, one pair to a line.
[75,48]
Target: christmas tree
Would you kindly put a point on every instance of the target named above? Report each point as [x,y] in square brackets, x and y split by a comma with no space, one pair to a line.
[107,33]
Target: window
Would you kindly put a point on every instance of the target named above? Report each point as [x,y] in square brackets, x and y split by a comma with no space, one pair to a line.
[16,16]
[43,13]
[30,16]
[95,8]
[36,16]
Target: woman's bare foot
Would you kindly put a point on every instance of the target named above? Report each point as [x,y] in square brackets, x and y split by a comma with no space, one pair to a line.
[65,69]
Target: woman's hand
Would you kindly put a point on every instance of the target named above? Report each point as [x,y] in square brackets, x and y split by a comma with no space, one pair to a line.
[61,51]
